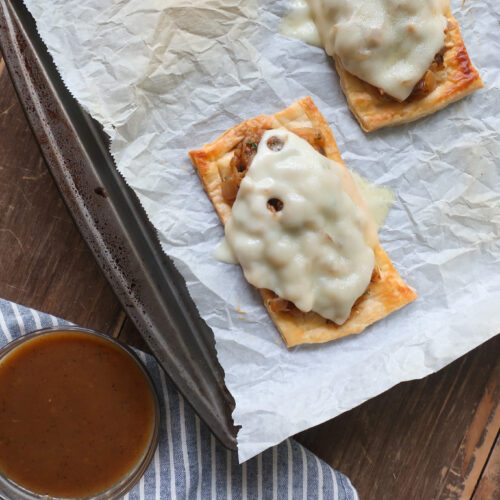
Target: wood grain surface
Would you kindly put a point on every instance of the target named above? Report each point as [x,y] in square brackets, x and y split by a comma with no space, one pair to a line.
[44,262]
[425,439]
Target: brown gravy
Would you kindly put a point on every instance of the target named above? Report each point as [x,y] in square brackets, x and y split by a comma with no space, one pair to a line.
[76,414]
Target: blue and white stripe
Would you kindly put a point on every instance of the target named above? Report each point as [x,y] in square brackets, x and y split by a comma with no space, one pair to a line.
[189,462]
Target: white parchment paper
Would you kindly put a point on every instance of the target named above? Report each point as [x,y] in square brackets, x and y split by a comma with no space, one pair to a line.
[166,76]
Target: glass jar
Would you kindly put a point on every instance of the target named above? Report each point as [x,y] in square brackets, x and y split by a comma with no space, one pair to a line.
[13,491]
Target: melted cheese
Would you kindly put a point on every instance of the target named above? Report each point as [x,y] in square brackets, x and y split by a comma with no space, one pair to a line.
[387,43]
[299,24]
[295,230]
[224,253]
[378,199]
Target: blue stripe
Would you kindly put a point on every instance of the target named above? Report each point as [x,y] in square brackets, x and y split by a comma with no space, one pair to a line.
[251,477]
[267,472]
[283,469]
[170,408]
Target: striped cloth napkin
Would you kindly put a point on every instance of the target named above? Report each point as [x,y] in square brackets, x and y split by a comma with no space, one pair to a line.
[189,462]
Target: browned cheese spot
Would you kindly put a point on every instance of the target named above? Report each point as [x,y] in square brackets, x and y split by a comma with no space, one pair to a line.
[275,143]
[275,205]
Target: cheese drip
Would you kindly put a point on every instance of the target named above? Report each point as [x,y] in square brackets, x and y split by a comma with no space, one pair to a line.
[295,230]
[378,198]
[387,43]
[299,24]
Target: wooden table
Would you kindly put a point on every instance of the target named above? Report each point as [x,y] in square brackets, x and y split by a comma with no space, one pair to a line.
[432,438]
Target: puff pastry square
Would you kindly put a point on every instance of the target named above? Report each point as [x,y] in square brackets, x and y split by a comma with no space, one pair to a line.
[386,292]
[455,78]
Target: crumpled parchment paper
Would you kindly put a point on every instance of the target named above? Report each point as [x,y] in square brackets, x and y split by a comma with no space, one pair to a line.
[166,76]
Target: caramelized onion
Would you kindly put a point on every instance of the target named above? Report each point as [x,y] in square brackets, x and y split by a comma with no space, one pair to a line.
[426,85]
[278,305]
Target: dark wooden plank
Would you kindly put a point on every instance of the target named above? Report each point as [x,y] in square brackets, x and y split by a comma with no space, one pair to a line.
[406,442]
[489,485]
[44,262]
[464,474]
